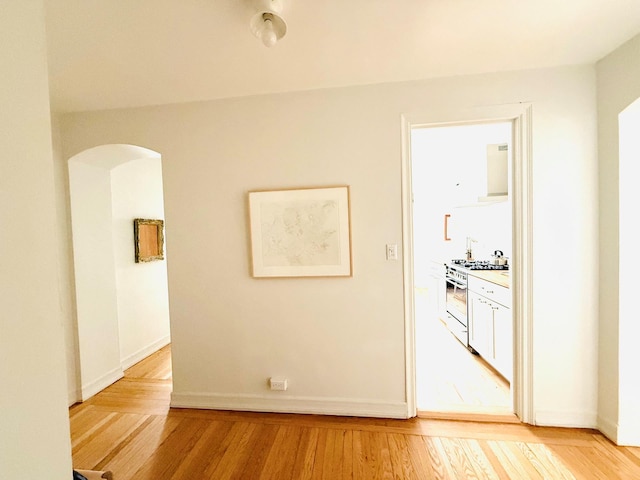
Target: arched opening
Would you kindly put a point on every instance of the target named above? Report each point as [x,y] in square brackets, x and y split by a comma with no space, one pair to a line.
[122,306]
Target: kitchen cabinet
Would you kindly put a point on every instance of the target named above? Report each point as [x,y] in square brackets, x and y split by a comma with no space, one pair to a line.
[438,287]
[490,324]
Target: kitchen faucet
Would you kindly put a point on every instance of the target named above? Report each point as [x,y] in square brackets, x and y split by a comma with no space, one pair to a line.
[469,252]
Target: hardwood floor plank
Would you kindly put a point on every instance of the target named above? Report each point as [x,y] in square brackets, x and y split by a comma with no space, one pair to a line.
[358,462]
[581,465]
[128,457]
[457,458]
[278,465]
[553,466]
[85,423]
[257,451]
[233,449]
[317,471]
[493,460]
[129,429]
[334,455]
[347,455]
[400,457]
[438,459]
[167,458]
[203,454]
[419,456]
[621,463]
[478,460]
[514,462]
[306,454]
[107,437]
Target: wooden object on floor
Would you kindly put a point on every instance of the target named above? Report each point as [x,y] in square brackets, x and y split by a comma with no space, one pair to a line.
[95,475]
[130,429]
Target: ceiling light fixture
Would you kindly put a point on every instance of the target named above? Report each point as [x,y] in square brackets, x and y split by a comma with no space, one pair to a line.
[266,23]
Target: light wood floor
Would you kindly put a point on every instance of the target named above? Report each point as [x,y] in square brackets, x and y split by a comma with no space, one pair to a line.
[130,429]
[450,379]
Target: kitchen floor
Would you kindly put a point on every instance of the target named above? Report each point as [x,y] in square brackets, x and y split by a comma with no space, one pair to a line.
[449,378]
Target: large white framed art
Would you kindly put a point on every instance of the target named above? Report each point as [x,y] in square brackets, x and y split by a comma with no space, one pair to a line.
[303,232]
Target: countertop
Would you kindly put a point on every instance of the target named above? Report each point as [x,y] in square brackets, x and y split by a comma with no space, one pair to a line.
[499,277]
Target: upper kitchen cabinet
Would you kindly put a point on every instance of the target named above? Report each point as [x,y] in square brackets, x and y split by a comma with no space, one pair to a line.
[487,182]
[497,188]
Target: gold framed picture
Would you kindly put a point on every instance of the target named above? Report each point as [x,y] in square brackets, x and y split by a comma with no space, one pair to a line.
[149,239]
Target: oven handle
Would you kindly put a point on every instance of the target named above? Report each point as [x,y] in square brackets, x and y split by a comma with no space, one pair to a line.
[456,283]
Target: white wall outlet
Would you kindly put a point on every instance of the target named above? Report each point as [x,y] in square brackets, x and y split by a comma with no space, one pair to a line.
[392,251]
[278,383]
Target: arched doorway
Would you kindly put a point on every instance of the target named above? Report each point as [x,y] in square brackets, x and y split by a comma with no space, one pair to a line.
[122,306]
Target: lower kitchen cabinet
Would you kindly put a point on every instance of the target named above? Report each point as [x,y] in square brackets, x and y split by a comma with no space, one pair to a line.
[502,358]
[490,325]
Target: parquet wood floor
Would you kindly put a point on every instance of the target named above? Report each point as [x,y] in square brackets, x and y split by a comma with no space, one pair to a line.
[129,429]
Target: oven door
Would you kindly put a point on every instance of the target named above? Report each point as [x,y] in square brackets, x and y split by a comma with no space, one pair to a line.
[457,309]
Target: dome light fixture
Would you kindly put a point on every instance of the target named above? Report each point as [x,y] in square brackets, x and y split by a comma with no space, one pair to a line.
[266,23]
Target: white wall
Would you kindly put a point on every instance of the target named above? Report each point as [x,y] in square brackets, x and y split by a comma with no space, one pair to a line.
[618,81]
[340,341]
[33,404]
[629,327]
[65,267]
[95,275]
[141,288]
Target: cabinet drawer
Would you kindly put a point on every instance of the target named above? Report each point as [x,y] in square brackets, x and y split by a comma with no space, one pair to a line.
[492,291]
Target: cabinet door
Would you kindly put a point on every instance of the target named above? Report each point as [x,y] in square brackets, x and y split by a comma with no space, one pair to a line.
[480,324]
[502,341]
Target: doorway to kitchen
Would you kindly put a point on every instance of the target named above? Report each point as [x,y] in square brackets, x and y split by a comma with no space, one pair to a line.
[462,249]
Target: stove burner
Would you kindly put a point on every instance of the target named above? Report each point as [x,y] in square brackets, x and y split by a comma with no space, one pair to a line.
[478,265]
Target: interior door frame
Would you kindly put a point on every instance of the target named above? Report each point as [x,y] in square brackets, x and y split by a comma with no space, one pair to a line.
[520,114]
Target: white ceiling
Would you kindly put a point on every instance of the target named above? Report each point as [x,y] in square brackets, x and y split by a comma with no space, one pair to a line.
[125,53]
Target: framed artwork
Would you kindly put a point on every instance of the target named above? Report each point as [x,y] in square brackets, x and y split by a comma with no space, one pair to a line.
[303,232]
[149,239]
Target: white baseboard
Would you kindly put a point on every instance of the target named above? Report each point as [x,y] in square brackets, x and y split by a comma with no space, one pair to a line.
[625,435]
[143,353]
[572,419]
[608,428]
[73,396]
[629,433]
[93,387]
[289,404]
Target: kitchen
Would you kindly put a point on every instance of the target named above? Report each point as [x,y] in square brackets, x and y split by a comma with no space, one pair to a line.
[462,247]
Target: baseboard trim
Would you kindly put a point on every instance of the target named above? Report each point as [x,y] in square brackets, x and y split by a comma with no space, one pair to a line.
[629,433]
[73,397]
[608,428]
[95,386]
[143,353]
[290,404]
[570,419]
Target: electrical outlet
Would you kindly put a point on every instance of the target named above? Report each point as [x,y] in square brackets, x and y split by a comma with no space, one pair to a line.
[279,384]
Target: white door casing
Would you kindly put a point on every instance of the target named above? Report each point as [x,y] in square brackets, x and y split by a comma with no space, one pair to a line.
[520,115]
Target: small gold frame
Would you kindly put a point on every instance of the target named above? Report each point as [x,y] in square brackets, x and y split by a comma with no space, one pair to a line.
[149,239]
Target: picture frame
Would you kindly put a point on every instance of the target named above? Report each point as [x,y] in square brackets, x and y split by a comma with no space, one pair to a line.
[300,232]
[148,239]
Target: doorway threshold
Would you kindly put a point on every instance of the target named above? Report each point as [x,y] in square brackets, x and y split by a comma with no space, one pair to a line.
[475,414]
